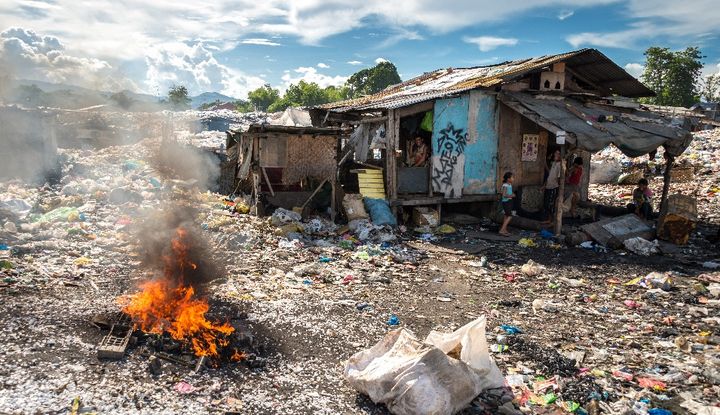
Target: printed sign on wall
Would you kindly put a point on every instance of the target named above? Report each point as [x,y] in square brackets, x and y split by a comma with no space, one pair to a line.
[530,147]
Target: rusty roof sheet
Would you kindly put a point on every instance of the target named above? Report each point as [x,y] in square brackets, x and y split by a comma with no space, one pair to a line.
[592,65]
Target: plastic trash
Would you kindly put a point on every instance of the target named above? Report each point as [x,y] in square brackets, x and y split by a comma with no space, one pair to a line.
[531,269]
[527,243]
[659,411]
[393,320]
[642,246]
[511,329]
[546,234]
[380,213]
[445,229]
[711,265]
[281,216]
[440,376]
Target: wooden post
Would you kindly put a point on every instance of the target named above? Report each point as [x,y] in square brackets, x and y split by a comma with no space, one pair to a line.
[392,143]
[333,202]
[666,182]
[561,194]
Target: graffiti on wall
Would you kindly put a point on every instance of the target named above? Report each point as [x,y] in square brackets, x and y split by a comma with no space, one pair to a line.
[449,161]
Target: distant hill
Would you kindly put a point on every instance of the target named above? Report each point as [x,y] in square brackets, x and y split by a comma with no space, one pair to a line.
[208,97]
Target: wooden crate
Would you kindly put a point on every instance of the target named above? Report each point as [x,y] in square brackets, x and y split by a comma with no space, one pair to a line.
[372,183]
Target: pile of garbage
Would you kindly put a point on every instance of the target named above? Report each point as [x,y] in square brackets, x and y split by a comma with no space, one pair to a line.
[519,325]
[696,173]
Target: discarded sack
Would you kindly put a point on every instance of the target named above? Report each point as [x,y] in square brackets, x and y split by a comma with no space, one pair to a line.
[354,208]
[641,246]
[440,376]
[380,213]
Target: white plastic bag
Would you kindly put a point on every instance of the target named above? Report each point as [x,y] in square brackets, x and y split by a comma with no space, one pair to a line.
[411,377]
[642,246]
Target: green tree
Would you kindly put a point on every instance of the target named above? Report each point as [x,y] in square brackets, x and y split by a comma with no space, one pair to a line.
[121,99]
[305,94]
[337,93]
[371,80]
[711,88]
[673,75]
[242,105]
[263,97]
[178,97]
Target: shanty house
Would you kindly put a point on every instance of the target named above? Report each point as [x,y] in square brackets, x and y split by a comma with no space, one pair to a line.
[483,121]
[285,165]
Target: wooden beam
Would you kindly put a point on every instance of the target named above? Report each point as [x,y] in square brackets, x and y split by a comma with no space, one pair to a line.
[267,181]
[368,120]
[666,182]
[561,194]
[603,90]
[415,109]
[314,193]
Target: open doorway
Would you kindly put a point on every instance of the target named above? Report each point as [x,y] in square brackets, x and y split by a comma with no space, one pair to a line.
[415,142]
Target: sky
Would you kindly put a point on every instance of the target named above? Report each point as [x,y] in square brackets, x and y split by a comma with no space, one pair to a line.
[235,46]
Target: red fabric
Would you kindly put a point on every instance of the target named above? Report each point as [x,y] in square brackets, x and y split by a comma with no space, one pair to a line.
[575,176]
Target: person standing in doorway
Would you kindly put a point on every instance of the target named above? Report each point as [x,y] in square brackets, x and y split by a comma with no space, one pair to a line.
[552,183]
[572,184]
[507,202]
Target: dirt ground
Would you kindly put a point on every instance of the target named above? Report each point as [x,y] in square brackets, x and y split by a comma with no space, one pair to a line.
[309,316]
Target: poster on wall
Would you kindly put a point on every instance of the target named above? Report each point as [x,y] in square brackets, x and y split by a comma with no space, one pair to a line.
[530,147]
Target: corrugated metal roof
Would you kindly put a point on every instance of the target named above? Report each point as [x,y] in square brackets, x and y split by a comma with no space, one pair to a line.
[634,135]
[590,64]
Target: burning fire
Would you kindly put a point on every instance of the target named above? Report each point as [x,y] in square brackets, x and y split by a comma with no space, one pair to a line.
[170,305]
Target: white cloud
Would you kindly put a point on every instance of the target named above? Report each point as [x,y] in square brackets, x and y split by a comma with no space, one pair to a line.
[488,43]
[354,63]
[29,55]
[310,74]
[657,19]
[564,14]
[196,68]
[259,42]
[380,60]
[323,65]
[634,69]
[398,36]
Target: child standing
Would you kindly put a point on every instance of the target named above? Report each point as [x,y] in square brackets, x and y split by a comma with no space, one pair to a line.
[642,200]
[507,202]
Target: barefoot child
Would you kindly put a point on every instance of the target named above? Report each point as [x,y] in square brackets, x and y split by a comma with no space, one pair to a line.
[507,202]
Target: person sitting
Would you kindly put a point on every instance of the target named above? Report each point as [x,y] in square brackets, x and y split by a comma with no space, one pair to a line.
[642,200]
[419,153]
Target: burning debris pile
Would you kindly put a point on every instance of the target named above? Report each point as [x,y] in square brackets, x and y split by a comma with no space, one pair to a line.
[170,304]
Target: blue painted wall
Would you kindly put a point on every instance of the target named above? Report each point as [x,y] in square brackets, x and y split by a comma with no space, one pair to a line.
[482,147]
[449,142]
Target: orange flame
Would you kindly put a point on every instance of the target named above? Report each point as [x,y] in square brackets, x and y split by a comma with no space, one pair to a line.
[168,305]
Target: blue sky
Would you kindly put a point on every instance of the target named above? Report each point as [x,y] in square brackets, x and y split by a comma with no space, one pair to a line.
[233,46]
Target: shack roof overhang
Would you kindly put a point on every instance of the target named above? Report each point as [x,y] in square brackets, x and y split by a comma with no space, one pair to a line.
[589,65]
[634,134]
[292,130]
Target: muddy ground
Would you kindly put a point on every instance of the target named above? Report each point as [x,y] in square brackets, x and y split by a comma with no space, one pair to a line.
[304,313]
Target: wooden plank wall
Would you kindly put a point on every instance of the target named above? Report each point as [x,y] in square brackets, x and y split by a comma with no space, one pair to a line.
[512,126]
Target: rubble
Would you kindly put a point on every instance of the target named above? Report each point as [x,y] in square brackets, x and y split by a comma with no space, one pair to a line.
[574,328]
